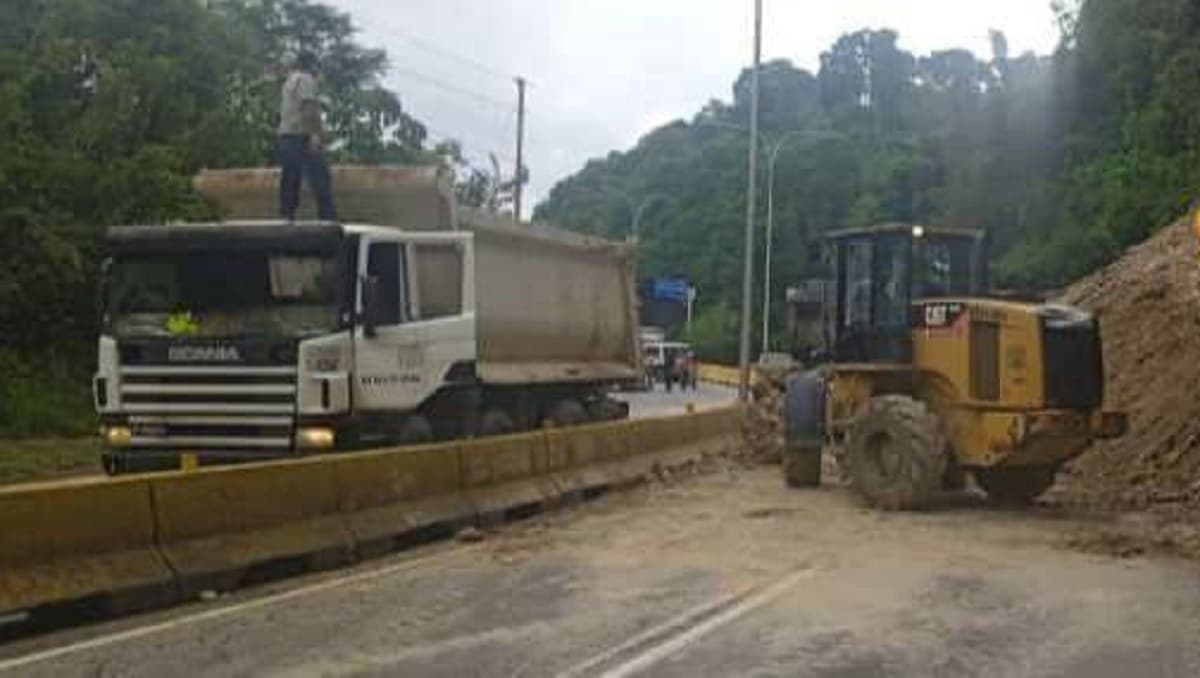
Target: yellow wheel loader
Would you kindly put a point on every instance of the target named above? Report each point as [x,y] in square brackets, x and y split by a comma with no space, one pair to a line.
[925,379]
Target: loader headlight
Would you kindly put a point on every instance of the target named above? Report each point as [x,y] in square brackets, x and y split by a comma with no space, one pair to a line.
[315,438]
[118,436]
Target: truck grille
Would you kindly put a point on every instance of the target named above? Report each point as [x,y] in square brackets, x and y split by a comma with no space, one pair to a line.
[225,408]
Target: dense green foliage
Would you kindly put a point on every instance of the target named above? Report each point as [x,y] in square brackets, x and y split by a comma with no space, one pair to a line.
[1065,159]
[107,107]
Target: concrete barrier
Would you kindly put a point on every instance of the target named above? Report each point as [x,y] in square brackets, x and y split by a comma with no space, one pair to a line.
[391,496]
[215,525]
[594,454]
[499,476]
[80,539]
[159,538]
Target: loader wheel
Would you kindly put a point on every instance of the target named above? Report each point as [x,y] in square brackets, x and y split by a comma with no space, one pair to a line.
[802,466]
[496,423]
[1016,486]
[896,453]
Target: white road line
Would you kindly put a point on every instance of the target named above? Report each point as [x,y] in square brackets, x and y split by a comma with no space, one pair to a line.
[209,615]
[680,620]
[657,653]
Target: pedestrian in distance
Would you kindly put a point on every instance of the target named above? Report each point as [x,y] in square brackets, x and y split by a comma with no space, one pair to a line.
[301,142]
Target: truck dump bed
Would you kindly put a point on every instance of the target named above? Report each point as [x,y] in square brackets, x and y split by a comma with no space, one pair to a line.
[551,306]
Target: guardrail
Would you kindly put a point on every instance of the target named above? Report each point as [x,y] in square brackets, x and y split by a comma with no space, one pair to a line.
[142,541]
[721,374]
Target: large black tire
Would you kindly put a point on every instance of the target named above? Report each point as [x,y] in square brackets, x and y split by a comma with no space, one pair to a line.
[496,422]
[804,428]
[1016,486]
[606,409]
[896,453]
[416,431]
[568,413]
[802,466]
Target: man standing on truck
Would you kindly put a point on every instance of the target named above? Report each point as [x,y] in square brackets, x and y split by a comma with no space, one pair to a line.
[300,142]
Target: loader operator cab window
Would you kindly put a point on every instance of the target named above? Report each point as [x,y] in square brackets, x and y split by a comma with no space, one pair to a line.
[944,268]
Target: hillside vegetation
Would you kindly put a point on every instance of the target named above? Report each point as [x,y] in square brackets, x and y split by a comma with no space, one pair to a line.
[1065,159]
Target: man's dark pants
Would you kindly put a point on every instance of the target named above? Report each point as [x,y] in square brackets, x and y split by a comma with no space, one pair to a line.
[297,160]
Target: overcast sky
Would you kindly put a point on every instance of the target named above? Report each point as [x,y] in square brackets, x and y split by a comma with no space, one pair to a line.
[604,72]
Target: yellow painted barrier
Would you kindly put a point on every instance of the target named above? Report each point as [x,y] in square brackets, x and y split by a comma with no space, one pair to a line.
[594,454]
[214,524]
[174,533]
[498,474]
[386,495]
[78,539]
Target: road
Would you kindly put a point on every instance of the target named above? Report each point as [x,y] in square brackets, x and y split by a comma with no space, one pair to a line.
[724,573]
[659,403]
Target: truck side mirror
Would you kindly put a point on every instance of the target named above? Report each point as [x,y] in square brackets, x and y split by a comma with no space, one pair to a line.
[370,297]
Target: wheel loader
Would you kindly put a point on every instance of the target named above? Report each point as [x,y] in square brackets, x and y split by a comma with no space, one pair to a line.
[925,379]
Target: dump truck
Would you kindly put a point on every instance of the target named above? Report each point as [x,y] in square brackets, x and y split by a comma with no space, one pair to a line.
[410,320]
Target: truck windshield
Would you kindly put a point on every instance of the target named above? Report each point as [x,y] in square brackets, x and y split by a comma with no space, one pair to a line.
[222,294]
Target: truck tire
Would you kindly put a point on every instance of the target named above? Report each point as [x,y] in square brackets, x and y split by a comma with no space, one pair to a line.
[416,431]
[496,422]
[568,413]
[1017,485]
[804,429]
[607,410]
[896,453]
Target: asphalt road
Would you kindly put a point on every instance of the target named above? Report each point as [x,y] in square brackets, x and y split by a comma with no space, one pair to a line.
[659,403]
[722,574]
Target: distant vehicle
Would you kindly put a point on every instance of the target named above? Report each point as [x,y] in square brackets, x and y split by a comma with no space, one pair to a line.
[251,339]
[659,359]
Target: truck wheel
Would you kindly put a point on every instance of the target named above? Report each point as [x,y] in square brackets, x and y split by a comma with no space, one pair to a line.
[896,453]
[496,423]
[416,430]
[606,410]
[1016,486]
[568,413]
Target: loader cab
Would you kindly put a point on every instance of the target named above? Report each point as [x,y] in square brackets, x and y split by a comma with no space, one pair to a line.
[878,273]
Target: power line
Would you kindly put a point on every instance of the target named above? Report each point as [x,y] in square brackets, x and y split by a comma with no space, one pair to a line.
[431,48]
[454,89]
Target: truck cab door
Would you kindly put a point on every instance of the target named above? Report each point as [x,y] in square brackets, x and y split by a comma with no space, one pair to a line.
[403,359]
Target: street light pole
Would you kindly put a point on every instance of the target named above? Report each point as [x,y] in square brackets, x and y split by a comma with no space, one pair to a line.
[772,157]
[639,210]
[751,195]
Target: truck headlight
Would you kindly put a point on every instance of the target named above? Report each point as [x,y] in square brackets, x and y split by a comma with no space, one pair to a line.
[118,436]
[315,438]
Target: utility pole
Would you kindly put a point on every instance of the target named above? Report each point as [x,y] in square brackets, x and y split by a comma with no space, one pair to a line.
[751,205]
[519,175]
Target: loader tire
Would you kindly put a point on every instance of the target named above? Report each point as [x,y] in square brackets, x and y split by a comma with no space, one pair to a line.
[896,453]
[1016,486]
[802,466]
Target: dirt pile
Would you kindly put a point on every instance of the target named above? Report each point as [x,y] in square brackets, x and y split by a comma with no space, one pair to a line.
[1149,308]
[763,426]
